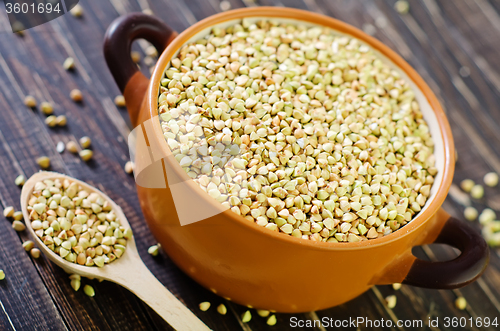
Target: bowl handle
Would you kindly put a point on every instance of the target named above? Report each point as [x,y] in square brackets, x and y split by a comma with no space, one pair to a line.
[117,46]
[466,268]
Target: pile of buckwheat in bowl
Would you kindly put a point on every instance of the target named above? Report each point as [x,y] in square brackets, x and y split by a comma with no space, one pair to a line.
[298,129]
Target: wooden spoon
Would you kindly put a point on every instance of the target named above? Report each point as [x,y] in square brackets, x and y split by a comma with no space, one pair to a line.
[128,271]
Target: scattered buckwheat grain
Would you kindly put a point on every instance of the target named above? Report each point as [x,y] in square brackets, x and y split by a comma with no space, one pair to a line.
[77,10]
[396,286]
[477,191]
[129,167]
[225,5]
[461,303]
[120,101]
[204,306]
[20,180]
[221,309]
[43,162]
[85,142]
[86,154]
[391,301]
[491,179]
[72,147]
[136,56]
[470,213]
[30,101]
[402,6]
[271,320]
[76,95]
[46,108]
[69,63]
[8,211]
[467,185]
[35,253]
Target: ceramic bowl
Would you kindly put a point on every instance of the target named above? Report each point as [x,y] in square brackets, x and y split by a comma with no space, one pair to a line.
[254,266]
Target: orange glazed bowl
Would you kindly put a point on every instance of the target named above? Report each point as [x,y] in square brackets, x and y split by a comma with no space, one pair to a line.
[249,264]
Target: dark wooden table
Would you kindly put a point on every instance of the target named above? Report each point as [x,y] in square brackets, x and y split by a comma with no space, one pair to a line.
[454,45]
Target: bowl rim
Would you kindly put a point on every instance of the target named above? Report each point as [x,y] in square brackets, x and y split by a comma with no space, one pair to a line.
[323,20]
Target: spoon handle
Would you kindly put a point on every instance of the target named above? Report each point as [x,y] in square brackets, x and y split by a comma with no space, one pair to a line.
[145,285]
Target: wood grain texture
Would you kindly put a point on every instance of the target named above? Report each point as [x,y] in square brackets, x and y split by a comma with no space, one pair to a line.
[454,45]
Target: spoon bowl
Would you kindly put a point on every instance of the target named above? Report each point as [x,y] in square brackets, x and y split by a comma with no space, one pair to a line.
[128,271]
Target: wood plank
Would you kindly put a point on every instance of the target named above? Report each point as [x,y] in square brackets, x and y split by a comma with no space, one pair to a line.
[438,38]
[22,290]
[86,316]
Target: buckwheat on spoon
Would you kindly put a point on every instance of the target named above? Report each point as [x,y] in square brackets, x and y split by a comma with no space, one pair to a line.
[61,221]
